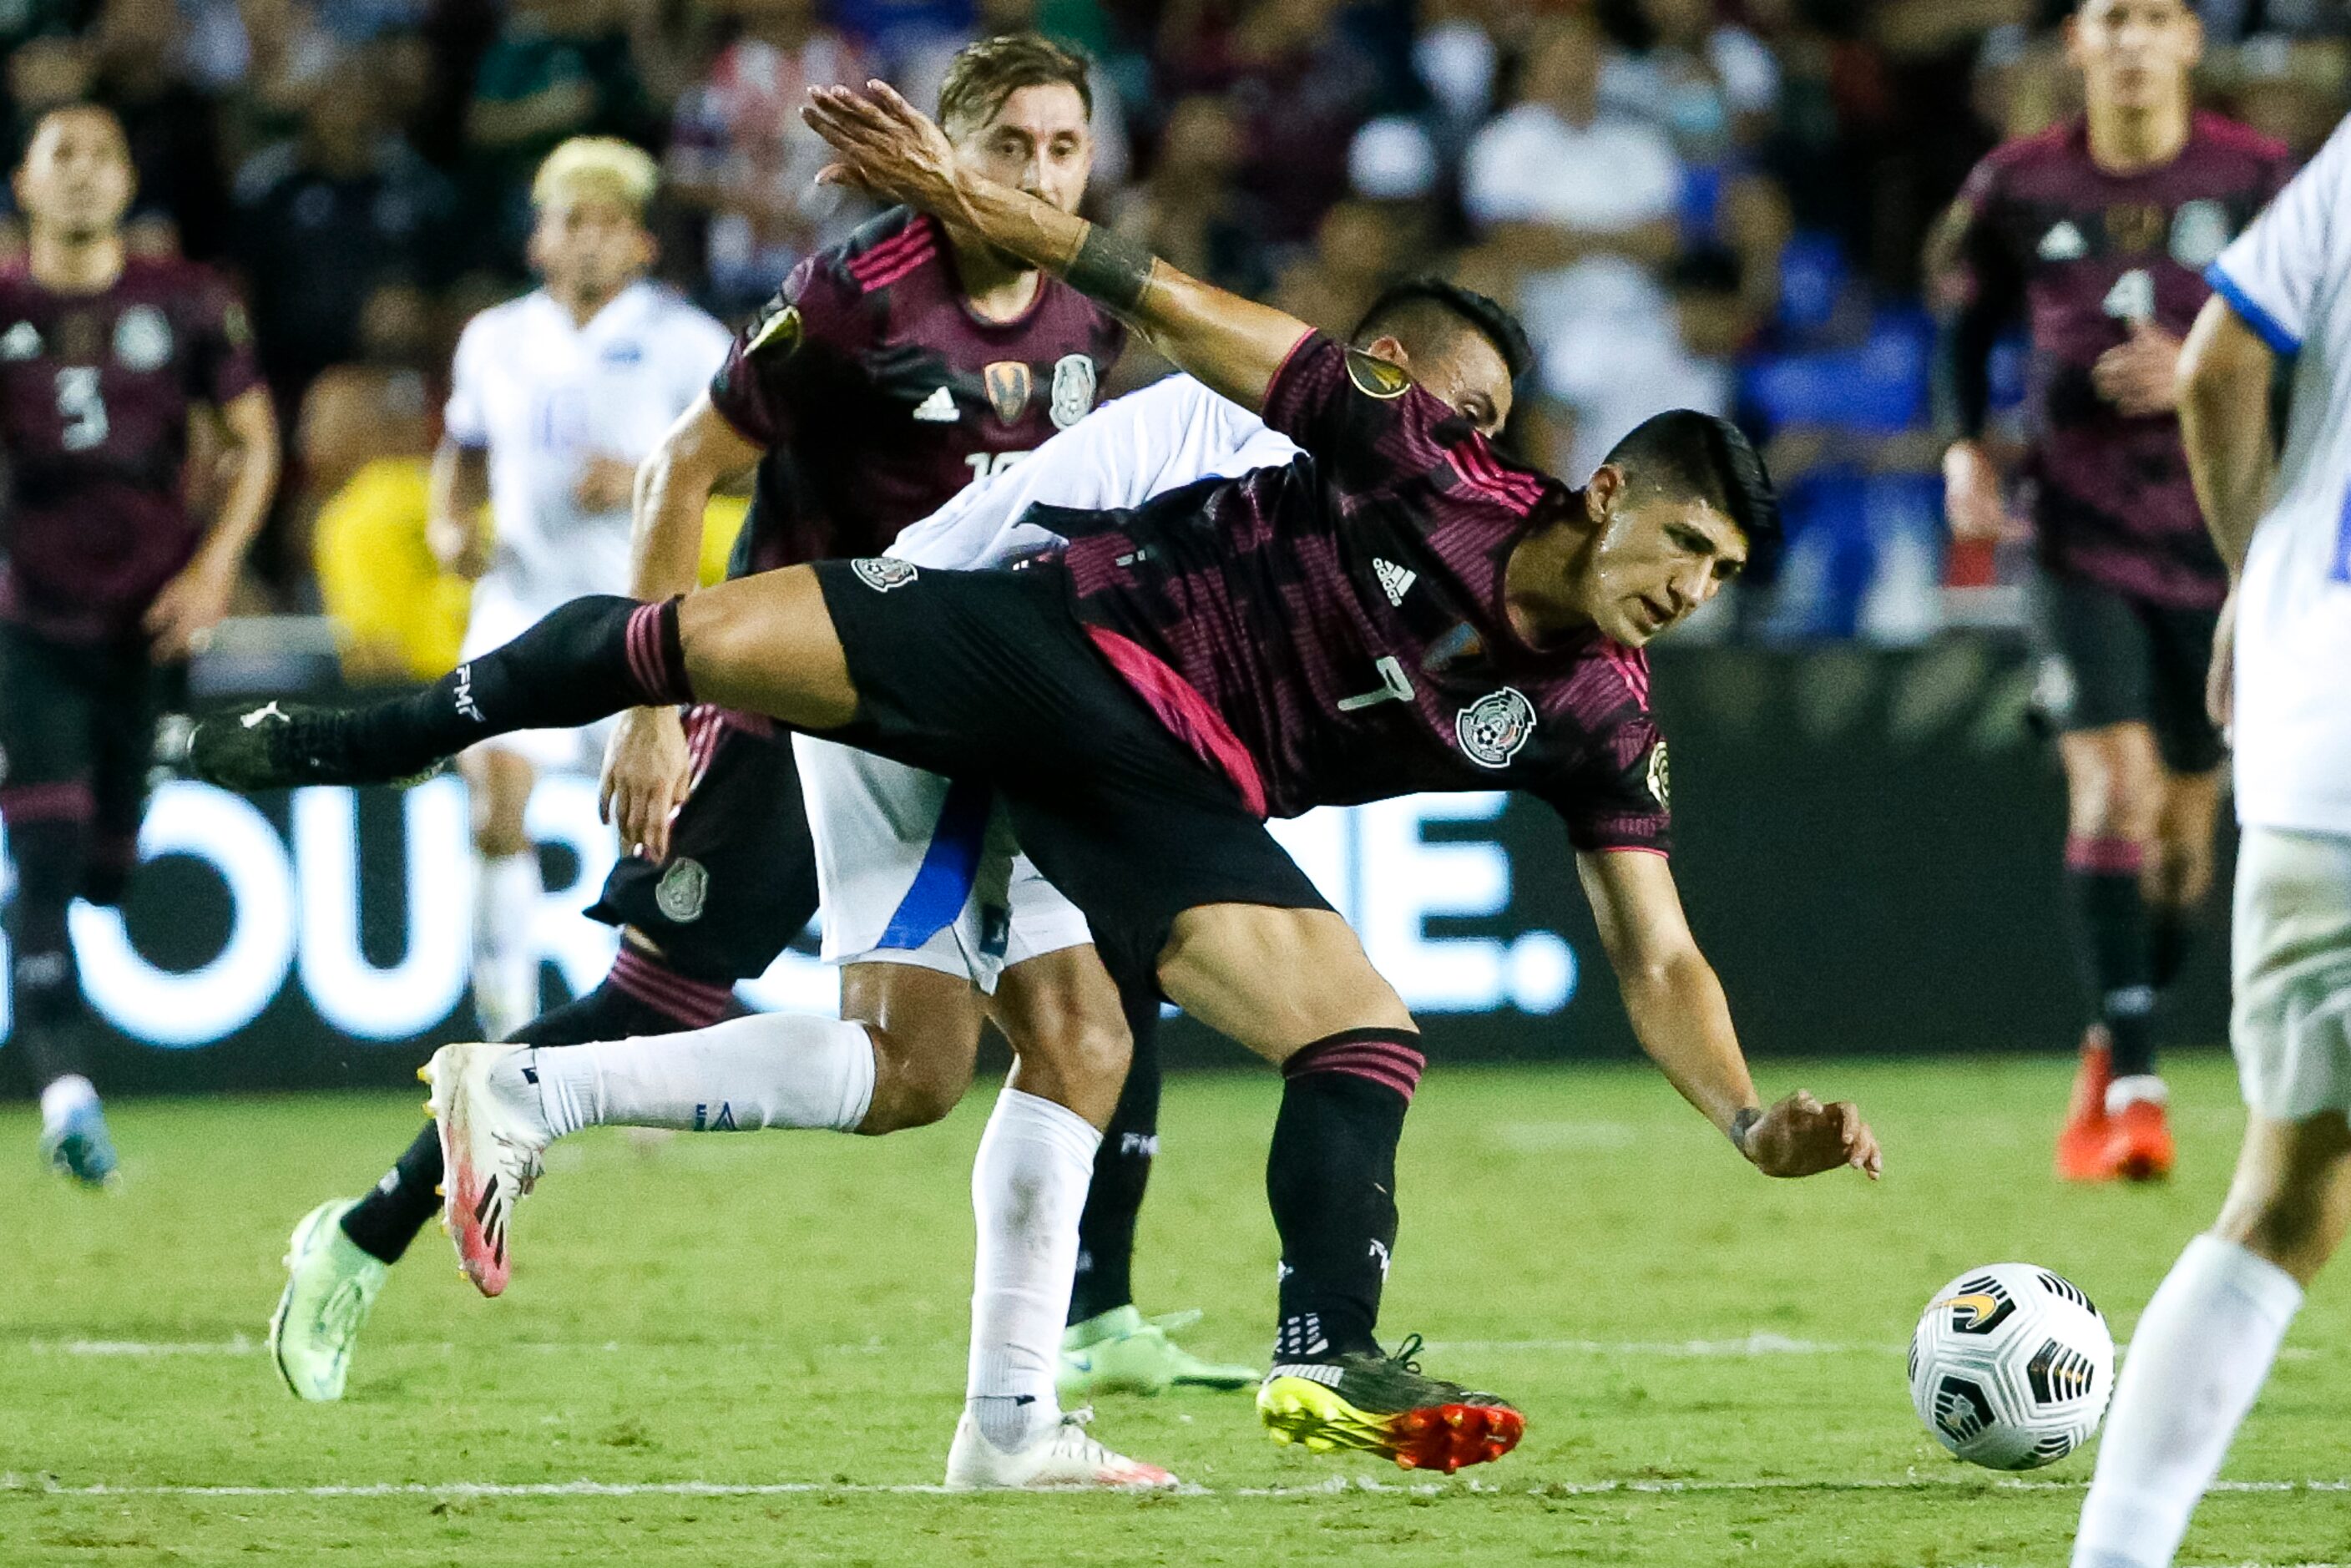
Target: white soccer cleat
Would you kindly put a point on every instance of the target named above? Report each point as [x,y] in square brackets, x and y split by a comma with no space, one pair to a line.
[1061,1457]
[492,1133]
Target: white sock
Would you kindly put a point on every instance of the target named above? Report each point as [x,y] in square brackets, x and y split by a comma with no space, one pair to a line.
[507,894]
[1028,1188]
[63,1097]
[770,1070]
[2124,1092]
[2198,1358]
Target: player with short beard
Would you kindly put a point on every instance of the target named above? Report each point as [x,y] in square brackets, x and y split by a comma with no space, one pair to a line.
[2097,234]
[111,582]
[1401,609]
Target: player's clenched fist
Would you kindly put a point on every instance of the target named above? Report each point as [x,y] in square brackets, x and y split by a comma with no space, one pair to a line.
[1799,1138]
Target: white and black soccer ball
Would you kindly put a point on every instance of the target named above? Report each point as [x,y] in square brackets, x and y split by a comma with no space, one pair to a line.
[2011,1366]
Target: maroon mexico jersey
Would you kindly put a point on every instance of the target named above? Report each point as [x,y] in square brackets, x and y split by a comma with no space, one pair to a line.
[2083,254]
[878,394]
[1333,632]
[95,391]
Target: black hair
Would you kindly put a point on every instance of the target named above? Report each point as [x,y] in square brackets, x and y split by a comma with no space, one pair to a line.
[1684,453]
[1416,301]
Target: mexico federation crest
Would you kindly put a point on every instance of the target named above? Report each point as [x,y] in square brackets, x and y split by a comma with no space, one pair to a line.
[143,338]
[683,888]
[2199,232]
[1660,785]
[1008,389]
[1492,729]
[883,573]
[1073,389]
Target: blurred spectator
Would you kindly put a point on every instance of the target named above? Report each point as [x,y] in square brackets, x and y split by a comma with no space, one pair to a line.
[1688,364]
[268,58]
[741,154]
[1713,86]
[169,122]
[1355,256]
[557,69]
[1576,204]
[1298,82]
[326,219]
[380,404]
[1191,210]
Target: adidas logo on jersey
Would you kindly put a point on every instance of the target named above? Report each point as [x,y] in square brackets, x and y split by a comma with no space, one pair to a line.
[1394,581]
[939,408]
[2064,242]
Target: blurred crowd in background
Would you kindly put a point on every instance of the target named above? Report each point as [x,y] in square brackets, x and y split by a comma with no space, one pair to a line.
[1715,203]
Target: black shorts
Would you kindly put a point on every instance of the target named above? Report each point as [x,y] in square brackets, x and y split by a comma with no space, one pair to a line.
[989,675]
[739,884]
[78,739]
[2109,659]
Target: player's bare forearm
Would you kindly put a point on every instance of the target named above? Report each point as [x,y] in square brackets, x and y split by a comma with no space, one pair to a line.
[674,483]
[2225,370]
[1678,1012]
[456,501]
[252,425]
[893,149]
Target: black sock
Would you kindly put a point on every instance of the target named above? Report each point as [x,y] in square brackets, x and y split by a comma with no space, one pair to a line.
[1331,1179]
[589,659]
[387,1219]
[45,996]
[1105,1277]
[2171,933]
[2115,945]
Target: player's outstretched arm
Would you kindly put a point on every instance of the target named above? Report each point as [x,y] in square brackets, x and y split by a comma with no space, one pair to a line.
[2225,373]
[891,148]
[1682,1021]
[456,508]
[646,766]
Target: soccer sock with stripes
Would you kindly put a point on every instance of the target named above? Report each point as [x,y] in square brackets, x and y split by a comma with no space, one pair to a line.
[1028,1185]
[2116,944]
[2200,1352]
[388,1218]
[587,660]
[1105,1273]
[1331,1179]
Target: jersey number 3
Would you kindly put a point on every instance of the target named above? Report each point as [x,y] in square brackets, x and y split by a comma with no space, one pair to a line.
[81,406]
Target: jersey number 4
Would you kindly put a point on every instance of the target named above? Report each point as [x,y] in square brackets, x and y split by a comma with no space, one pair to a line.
[81,406]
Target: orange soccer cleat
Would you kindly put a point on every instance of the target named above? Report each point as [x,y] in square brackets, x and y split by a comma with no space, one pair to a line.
[2139,1142]
[2082,1142]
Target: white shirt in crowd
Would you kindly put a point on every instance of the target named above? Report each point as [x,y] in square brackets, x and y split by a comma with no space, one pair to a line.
[2289,277]
[545,396]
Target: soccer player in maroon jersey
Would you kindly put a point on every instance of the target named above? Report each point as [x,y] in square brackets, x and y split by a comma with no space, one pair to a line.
[887,373]
[2097,234]
[1403,609]
[110,581]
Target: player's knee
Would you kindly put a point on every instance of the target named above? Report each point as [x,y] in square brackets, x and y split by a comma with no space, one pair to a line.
[916,1081]
[2289,1228]
[2116,795]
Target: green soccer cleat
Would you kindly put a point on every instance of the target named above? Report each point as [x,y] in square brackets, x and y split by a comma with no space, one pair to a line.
[1382,1405]
[330,1286]
[1122,1351]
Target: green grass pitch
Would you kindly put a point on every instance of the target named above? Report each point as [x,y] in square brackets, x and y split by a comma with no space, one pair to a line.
[1711,1362]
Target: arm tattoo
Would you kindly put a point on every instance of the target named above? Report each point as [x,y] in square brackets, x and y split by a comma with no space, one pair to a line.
[1110,269]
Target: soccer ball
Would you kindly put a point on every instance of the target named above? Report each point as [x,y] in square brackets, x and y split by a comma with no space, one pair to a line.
[2011,1366]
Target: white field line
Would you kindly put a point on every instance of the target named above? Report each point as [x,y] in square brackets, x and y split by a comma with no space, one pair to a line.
[1753,1346]
[1338,1486]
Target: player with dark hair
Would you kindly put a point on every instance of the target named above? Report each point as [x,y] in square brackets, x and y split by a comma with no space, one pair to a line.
[110,580]
[1401,609]
[2097,234]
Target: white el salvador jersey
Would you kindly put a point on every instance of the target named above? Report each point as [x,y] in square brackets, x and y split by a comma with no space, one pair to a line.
[2288,276]
[881,826]
[544,396]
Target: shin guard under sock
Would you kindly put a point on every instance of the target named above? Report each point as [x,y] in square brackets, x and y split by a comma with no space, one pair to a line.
[2115,945]
[1331,1179]
[1105,1276]
[588,660]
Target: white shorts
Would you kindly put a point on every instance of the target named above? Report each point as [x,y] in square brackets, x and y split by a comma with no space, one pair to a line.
[2291,1025]
[504,610]
[911,869]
